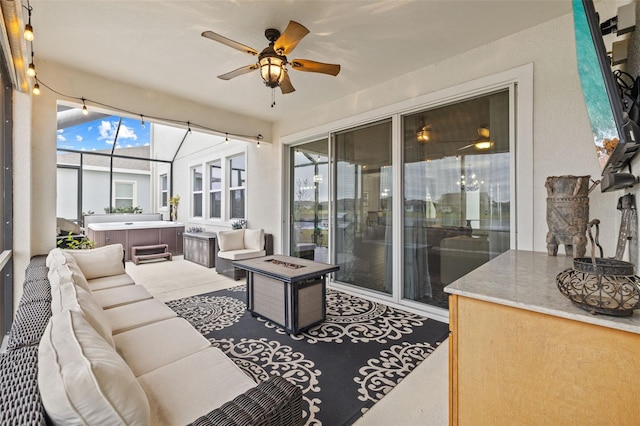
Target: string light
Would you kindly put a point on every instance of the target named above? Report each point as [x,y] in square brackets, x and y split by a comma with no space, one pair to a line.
[36,91]
[28,29]
[258,138]
[189,124]
[31,71]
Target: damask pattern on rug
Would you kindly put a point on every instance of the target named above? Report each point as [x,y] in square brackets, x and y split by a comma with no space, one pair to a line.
[343,365]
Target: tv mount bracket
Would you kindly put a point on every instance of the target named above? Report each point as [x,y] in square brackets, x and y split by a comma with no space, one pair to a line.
[628,228]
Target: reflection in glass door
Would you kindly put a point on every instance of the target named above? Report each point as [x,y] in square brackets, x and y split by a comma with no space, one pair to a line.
[363,203]
[310,201]
[457,203]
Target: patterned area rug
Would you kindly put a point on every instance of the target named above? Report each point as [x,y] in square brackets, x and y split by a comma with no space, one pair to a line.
[344,365]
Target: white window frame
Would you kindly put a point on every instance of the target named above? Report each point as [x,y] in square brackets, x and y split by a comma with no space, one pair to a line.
[195,192]
[210,191]
[230,188]
[134,197]
[164,192]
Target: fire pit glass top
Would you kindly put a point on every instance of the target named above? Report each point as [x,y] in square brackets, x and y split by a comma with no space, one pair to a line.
[285,264]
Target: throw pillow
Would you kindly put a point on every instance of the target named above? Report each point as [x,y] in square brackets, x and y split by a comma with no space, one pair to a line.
[254,239]
[231,240]
[100,262]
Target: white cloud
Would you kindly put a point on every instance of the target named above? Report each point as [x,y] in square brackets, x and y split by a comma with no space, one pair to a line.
[79,138]
[108,129]
[61,138]
[59,131]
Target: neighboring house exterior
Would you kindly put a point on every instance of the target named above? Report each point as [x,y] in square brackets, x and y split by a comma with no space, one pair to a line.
[131,182]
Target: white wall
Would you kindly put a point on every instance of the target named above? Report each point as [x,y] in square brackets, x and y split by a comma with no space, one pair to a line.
[562,139]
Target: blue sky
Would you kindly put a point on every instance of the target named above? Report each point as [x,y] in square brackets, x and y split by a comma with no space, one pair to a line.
[99,134]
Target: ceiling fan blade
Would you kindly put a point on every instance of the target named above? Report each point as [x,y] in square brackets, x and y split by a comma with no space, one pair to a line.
[285,84]
[290,38]
[313,66]
[240,71]
[466,146]
[234,44]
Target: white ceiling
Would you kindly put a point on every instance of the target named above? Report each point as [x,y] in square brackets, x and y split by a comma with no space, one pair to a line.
[157,44]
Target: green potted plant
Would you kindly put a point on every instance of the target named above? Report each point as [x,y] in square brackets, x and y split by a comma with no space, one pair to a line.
[75,242]
[173,205]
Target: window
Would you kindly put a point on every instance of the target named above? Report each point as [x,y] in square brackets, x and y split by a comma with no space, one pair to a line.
[164,193]
[237,176]
[124,195]
[196,185]
[215,190]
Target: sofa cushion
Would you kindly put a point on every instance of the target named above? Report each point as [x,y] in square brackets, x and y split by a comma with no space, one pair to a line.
[184,390]
[110,282]
[83,380]
[254,239]
[154,345]
[118,296]
[231,240]
[65,274]
[70,296]
[100,262]
[57,257]
[133,315]
[241,254]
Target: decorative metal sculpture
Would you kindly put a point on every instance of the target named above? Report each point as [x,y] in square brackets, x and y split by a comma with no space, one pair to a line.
[567,213]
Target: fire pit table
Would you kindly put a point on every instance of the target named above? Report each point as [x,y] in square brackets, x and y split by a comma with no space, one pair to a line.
[288,291]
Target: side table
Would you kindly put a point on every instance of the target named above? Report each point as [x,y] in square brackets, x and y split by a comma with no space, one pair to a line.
[199,247]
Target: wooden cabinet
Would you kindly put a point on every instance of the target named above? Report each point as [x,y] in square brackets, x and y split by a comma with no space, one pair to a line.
[524,363]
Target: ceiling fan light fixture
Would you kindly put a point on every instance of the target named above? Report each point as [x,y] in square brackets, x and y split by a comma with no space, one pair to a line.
[272,69]
[423,135]
[483,141]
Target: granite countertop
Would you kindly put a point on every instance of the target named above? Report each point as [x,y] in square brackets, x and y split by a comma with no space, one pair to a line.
[527,280]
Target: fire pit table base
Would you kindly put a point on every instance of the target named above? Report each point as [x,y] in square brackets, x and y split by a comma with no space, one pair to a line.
[288,291]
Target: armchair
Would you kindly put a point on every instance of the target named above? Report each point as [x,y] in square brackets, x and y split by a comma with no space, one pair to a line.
[240,244]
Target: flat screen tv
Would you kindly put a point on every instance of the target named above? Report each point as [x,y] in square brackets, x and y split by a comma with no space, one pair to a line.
[617,138]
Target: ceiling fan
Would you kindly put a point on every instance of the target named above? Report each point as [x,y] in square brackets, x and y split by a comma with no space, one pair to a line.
[272,60]
[482,142]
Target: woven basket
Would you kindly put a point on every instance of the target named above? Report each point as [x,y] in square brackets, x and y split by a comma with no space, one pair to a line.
[600,285]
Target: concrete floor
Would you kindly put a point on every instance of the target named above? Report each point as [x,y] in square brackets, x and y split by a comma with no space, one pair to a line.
[421,399]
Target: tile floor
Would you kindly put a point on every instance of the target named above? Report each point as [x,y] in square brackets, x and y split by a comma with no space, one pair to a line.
[421,399]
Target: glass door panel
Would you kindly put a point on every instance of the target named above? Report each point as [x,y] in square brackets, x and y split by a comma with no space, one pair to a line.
[310,201]
[363,205]
[456,182]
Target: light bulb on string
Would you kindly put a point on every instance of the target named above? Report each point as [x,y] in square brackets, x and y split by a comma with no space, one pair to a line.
[36,89]
[85,111]
[31,71]
[28,29]
[142,121]
[226,138]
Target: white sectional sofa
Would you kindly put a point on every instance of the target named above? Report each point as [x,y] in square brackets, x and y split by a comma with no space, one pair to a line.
[112,354]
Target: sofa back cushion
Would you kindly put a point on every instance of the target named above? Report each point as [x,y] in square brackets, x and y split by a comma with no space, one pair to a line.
[254,239]
[100,262]
[57,257]
[67,273]
[71,297]
[231,240]
[82,380]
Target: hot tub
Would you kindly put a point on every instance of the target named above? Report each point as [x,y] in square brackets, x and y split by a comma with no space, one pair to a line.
[138,233]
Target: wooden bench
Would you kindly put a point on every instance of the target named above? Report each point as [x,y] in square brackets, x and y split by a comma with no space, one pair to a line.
[156,251]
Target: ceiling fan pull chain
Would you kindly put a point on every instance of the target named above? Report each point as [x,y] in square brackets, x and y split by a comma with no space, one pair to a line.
[273,97]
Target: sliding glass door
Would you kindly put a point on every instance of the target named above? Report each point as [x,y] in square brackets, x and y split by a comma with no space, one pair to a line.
[456,210]
[453,177]
[309,169]
[363,203]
